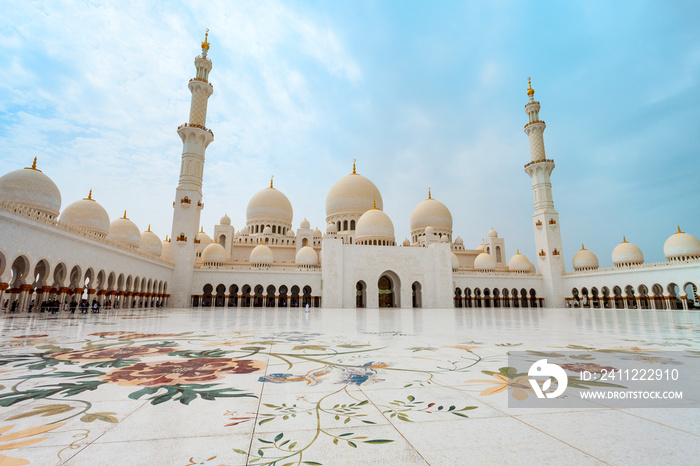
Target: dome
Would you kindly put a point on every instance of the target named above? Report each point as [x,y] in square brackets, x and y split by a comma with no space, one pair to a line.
[429,230]
[225,220]
[479,248]
[455,261]
[89,214]
[459,241]
[444,239]
[244,231]
[352,194]
[493,233]
[290,233]
[532,267]
[519,263]
[585,260]
[317,233]
[237,234]
[331,229]
[267,230]
[30,187]
[406,242]
[151,243]
[203,238]
[214,253]
[261,255]
[305,224]
[484,262]
[627,254]
[307,256]
[681,246]
[123,230]
[270,205]
[374,225]
[165,251]
[431,212]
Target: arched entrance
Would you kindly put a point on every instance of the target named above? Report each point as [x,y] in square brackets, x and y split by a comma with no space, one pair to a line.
[386,292]
[360,292]
[417,298]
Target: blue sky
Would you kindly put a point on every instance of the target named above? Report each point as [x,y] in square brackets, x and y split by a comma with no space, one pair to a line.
[421,93]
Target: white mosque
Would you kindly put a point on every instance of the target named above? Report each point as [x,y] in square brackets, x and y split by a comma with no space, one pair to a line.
[78,254]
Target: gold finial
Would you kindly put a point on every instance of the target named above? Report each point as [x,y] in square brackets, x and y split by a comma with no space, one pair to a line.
[201,230]
[430,196]
[353,166]
[89,198]
[679,230]
[530,90]
[374,203]
[582,247]
[33,167]
[149,227]
[624,240]
[271,178]
[205,44]
[166,238]
[124,214]
[517,251]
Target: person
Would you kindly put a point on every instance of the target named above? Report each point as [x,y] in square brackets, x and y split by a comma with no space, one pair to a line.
[14,306]
[31,305]
[307,307]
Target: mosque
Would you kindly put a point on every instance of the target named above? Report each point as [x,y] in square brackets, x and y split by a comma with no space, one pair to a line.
[78,254]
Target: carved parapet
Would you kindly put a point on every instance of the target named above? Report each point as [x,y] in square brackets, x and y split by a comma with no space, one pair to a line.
[539,161]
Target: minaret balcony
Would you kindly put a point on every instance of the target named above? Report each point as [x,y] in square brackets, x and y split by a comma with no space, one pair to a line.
[539,161]
[202,81]
[534,123]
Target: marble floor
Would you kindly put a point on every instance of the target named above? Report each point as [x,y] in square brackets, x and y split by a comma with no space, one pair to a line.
[231,386]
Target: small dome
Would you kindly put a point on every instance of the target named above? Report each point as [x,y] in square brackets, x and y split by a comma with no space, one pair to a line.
[307,256]
[317,233]
[165,251]
[431,212]
[203,238]
[459,241]
[455,261]
[681,246]
[88,214]
[244,231]
[225,220]
[261,255]
[444,239]
[237,234]
[352,194]
[30,187]
[493,233]
[484,262]
[480,248]
[406,242]
[270,205]
[267,230]
[429,231]
[331,228]
[585,260]
[519,263]
[214,253]
[305,224]
[290,233]
[532,267]
[151,243]
[627,254]
[374,225]
[123,230]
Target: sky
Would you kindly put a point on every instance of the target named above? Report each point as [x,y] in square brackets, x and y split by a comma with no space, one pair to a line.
[423,94]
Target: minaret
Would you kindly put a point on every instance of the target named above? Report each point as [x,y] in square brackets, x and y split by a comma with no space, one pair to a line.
[188,195]
[550,259]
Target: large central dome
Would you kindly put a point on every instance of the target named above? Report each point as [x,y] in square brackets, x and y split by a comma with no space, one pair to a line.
[270,205]
[352,195]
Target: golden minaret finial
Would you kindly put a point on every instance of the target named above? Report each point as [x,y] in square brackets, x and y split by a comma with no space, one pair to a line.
[124,214]
[271,178]
[624,240]
[33,167]
[582,247]
[517,251]
[149,227]
[679,230]
[430,195]
[201,230]
[205,44]
[353,166]
[374,203]
[530,90]
[89,198]
[166,239]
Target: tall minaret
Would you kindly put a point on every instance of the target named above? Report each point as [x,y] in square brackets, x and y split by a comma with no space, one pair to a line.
[188,195]
[550,258]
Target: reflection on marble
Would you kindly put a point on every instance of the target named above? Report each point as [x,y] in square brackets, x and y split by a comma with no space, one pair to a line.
[332,386]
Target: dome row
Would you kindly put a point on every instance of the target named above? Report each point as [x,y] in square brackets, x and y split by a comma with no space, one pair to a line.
[261,255]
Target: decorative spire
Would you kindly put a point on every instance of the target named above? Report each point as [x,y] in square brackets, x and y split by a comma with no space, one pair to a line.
[530,90]
[374,203]
[166,239]
[430,196]
[33,167]
[205,44]
[517,252]
[679,230]
[624,240]
[353,166]
[271,178]
[582,247]
[124,214]
[201,230]
[89,198]
[149,227]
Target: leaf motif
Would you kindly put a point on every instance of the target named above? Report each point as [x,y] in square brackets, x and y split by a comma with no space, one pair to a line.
[43,411]
[378,441]
[240,452]
[279,437]
[99,417]
[411,398]
[352,444]
[312,463]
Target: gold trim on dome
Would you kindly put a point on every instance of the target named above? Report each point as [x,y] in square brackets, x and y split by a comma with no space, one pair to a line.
[582,247]
[33,167]
[624,240]
[430,195]
[201,230]
[89,198]
[149,228]
[353,166]
[679,230]
[124,217]
[272,177]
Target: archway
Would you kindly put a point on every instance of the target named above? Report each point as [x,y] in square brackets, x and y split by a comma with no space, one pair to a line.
[496,298]
[458,298]
[307,296]
[294,300]
[282,300]
[389,289]
[220,295]
[270,296]
[360,294]
[691,295]
[506,298]
[417,294]
[233,296]
[245,296]
[487,297]
[258,298]
[658,291]
[206,297]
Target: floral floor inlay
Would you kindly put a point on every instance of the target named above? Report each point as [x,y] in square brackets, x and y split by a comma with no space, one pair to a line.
[284,387]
